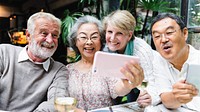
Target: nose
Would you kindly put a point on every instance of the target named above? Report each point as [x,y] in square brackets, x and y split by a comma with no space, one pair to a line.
[49,38]
[89,42]
[112,37]
[164,38]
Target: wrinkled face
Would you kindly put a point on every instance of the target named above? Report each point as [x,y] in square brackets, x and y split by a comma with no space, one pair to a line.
[88,40]
[117,39]
[168,38]
[44,40]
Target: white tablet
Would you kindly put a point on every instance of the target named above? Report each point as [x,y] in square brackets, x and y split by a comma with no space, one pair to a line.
[109,64]
[193,75]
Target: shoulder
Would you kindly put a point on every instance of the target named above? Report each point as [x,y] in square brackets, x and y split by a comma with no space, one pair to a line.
[140,40]
[194,55]
[57,65]
[141,44]
[193,50]
[142,48]
[8,49]
[70,66]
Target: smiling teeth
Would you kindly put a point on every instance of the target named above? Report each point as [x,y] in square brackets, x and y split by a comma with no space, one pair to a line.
[46,44]
[88,48]
[114,43]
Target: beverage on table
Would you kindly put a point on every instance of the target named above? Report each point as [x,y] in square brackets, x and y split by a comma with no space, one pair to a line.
[65,104]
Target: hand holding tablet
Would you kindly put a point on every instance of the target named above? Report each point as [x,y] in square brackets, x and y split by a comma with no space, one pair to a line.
[193,75]
[109,64]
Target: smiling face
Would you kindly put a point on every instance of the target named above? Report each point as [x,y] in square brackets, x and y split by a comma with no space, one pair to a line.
[44,40]
[88,40]
[169,39]
[117,39]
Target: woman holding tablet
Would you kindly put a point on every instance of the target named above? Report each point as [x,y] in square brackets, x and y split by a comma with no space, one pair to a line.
[119,27]
[93,91]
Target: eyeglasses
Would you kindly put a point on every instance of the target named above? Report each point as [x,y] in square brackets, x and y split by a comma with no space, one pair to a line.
[85,39]
[166,34]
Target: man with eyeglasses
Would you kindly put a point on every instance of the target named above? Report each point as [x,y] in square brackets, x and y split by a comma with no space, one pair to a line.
[169,35]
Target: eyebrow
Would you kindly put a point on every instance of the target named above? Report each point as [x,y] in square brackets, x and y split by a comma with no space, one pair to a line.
[95,33]
[86,34]
[169,27]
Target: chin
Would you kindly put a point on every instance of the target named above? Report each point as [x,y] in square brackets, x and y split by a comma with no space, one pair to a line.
[112,48]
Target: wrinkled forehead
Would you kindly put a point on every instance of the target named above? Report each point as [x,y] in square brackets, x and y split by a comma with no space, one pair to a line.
[47,23]
[164,24]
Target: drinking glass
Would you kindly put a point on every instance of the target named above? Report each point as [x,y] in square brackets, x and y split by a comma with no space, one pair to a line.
[65,104]
[142,87]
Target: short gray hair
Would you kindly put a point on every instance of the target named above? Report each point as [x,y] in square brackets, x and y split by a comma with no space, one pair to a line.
[48,16]
[82,20]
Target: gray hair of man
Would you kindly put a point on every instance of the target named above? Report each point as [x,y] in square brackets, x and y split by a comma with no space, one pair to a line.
[31,26]
[83,20]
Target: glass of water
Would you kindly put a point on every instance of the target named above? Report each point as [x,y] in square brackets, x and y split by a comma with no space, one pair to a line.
[65,104]
[142,88]
[143,85]
[62,102]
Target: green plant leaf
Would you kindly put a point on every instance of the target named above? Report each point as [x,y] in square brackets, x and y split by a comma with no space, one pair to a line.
[67,24]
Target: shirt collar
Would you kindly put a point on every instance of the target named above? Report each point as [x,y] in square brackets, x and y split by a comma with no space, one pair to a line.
[23,56]
[184,67]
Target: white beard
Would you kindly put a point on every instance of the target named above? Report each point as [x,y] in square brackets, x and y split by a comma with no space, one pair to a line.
[42,52]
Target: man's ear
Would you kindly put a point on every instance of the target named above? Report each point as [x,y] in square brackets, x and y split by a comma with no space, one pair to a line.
[185,33]
[28,36]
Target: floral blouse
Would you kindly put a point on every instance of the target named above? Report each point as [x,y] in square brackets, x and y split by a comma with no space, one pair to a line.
[91,91]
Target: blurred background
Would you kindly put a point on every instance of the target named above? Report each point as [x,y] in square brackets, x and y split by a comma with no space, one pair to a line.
[14,15]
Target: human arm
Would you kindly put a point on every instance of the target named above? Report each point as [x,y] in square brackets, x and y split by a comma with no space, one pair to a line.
[134,73]
[181,93]
[58,87]
[145,53]
[1,61]
[152,71]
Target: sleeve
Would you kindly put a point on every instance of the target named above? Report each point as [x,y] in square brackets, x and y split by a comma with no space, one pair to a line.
[58,88]
[112,82]
[144,52]
[1,65]
[161,79]
[1,60]
[45,107]
[149,64]
[152,87]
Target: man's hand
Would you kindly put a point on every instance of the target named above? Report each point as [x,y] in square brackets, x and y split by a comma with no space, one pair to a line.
[184,92]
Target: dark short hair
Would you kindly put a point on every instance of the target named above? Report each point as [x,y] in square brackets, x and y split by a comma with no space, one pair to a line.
[161,16]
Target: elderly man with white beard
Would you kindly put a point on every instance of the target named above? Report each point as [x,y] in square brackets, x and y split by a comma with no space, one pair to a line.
[29,76]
